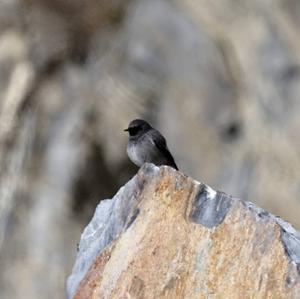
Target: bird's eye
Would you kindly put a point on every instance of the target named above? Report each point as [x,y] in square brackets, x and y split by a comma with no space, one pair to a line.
[134,130]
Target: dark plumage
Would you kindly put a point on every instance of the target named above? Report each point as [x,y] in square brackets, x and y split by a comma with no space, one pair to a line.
[146,144]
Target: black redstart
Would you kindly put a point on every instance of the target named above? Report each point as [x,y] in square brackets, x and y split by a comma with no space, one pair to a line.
[146,144]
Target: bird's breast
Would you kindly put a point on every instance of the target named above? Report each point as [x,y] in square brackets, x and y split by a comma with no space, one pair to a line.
[136,153]
[144,150]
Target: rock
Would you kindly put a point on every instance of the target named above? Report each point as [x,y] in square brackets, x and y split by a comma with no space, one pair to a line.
[165,235]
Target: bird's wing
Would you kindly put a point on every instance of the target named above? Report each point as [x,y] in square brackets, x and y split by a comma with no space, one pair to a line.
[161,144]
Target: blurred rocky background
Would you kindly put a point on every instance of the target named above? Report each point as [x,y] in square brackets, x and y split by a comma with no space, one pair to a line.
[220,79]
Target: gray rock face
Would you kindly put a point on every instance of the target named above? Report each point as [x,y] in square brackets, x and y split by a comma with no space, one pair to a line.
[111,218]
[209,209]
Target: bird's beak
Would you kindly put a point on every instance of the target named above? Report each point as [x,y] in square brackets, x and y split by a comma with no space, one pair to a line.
[126,130]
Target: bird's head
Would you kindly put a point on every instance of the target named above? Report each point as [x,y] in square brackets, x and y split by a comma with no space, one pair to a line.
[137,128]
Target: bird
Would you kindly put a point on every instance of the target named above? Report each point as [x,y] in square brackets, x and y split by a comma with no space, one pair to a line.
[146,144]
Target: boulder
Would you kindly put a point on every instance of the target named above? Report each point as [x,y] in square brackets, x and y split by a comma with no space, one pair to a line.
[165,235]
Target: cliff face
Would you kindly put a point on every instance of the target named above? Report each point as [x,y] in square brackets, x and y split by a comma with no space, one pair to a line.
[165,235]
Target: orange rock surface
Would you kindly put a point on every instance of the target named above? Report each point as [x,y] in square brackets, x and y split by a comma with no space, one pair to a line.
[181,239]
